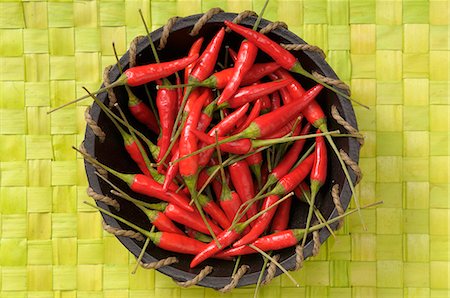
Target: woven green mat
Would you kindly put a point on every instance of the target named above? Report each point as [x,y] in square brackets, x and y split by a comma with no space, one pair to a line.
[394,54]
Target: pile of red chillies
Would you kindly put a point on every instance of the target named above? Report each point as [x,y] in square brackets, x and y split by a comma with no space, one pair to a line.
[235,112]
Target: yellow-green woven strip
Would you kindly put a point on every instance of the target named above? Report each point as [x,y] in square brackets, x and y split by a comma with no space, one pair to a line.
[393,54]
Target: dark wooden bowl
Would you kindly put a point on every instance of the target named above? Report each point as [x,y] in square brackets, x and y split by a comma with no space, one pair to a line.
[112,153]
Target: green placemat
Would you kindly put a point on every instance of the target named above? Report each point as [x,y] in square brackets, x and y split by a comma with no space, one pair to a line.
[394,54]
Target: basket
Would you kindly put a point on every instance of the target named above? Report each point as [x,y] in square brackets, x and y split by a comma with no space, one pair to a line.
[111,152]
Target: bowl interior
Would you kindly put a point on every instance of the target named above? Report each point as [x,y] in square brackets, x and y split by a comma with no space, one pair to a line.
[112,152]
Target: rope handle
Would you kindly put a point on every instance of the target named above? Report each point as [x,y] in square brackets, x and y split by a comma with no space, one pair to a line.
[104,199]
[160,263]
[199,277]
[235,279]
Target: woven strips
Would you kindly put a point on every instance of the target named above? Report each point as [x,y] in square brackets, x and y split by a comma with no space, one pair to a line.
[393,54]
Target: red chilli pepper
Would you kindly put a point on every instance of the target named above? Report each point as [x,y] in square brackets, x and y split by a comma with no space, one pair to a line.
[166,102]
[251,93]
[281,219]
[275,241]
[162,222]
[190,219]
[290,181]
[177,243]
[214,211]
[225,239]
[142,113]
[269,123]
[188,140]
[243,183]
[275,100]
[195,49]
[254,161]
[240,147]
[261,223]
[252,116]
[245,59]
[140,75]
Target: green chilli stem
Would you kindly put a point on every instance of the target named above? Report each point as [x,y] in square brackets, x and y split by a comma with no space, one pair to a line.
[260,143]
[305,155]
[236,266]
[125,177]
[276,263]
[152,45]
[261,274]
[122,220]
[258,20]
[314,189]
[317,212]
[141,254]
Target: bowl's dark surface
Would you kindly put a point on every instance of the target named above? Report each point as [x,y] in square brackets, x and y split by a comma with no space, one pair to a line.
[112,153]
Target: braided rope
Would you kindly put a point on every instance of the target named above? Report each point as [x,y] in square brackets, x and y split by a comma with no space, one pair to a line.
[99,169]
[205,272]
[337,203]
[241,16]
[93,125]
[352,164]
[271,270]
[235,279]
[160,263]
[273,26]
[304,47]
[101,198]
[332,82]
[316,241]
[106,81]
[124,233]
[166,32]
[346,125]
[204,19]
[299,257]
[133,49]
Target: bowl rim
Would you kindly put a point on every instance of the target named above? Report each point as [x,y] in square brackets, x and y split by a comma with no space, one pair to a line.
[346,111]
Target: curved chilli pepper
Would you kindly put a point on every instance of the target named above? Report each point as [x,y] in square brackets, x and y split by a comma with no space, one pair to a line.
[251,93]
[261,223]
[188,141]
[252,116]
[195,49]
[222,128]
[281,219]
[207,61]
[225,239]
[133,150]
[190,219]
[276,241]
[244,61]
[213,210]
[142,113]
[140,75]
[173,168]
[162,222]
[318,175]
[282,56]
[166,102]
[291,180]
[243,183]
[269,123]
[275,100]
